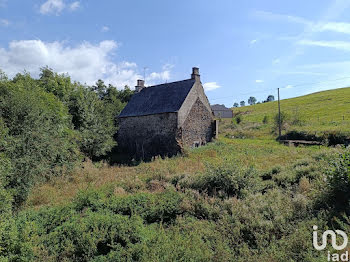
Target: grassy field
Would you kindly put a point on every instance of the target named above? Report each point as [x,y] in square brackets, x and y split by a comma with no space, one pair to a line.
[232,200]
[262,155]
[317,114]
[244,197]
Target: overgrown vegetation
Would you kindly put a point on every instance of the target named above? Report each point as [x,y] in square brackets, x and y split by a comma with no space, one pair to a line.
[48,124]
[232,200]
[211,205]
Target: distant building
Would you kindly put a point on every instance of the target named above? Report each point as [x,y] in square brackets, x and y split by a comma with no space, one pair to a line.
[163,119]
[222,111]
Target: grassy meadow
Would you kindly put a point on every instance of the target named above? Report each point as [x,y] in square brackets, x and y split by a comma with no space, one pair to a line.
[262,155]
[232,200]
[243,197]
[326,112]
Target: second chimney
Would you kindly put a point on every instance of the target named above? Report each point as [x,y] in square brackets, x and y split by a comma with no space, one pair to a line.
[195,74]
[140,85]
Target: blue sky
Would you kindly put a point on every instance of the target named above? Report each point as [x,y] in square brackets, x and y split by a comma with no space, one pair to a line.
[243,48]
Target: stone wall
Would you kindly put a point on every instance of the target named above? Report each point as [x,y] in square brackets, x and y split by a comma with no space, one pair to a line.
[196,92]
[143,137]
[198,127]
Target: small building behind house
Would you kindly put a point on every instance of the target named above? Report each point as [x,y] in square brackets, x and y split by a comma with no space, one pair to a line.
[221,111]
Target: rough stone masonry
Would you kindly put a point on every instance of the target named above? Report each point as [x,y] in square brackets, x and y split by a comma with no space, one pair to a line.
[164,119]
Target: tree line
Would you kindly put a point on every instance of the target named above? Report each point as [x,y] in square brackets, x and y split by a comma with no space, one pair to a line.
[49,124]
[252,101]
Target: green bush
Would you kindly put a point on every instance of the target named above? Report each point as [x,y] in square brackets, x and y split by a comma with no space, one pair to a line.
[265,119]
[226,181]
[339,180]
[238,119]
[163,206]
[39,141]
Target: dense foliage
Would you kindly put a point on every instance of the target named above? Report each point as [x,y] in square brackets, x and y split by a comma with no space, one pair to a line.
[224,213]
[47,124]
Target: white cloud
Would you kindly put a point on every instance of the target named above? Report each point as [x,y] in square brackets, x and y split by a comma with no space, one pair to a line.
[154,76]
[282,17]
[104,29]
[341,45]
[85,63]
[52,7]
[308,72]
[339,27]
[74,6]
[332,26]
[289,86]
[4,22]
[259,81]
[209,86]
[253,41]
[57,6]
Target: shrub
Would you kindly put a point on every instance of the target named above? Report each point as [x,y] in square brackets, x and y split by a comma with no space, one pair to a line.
[339,179]
[238,119]
[226,181]
[265,119]
[163,206]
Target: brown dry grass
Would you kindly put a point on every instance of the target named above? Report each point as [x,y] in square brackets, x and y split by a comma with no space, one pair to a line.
[155,176]
[125,179]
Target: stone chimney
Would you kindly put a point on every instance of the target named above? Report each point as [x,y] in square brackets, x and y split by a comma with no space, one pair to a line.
[195,74]
[140,85]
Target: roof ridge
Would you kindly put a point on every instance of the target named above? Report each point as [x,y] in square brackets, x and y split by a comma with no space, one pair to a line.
[156,99]
[170,83]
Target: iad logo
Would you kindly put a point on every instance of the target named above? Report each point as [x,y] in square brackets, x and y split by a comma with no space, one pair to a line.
[333,238]
[332,257]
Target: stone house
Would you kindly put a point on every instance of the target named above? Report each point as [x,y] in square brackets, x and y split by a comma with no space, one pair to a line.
[222,111]
[164,119]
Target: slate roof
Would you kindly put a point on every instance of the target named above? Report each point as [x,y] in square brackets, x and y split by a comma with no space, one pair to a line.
[164,98]
[220,108]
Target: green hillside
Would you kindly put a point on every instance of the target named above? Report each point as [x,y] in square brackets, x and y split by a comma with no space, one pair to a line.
[317,114]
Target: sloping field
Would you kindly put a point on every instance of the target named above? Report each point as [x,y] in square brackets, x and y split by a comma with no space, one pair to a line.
[316,114]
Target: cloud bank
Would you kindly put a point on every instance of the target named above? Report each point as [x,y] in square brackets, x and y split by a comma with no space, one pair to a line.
[85,63]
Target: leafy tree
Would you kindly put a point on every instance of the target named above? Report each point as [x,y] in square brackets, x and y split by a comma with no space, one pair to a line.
[59,85]
[270,98]
[235,104]
[100,88]
[114,100]
[93,110]
[94,121]
[242,103]
[38,139]
[125,94]
[252,100]
[3,76]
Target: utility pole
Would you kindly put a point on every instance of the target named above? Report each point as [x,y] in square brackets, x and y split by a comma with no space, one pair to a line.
[279,115]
